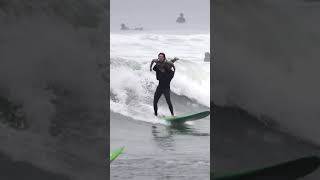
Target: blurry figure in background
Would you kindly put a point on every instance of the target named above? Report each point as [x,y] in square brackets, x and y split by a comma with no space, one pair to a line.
[124,27]
[207,57]
[138,28]
[164,72]
[181,19]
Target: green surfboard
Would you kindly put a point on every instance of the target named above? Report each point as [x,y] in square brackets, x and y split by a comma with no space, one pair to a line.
[115,153]
[188,117]
[289,170]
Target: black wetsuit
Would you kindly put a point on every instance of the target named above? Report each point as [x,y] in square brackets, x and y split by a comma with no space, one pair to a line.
[163,88]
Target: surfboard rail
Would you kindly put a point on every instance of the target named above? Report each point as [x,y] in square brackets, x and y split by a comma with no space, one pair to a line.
[283,171]
[186,117]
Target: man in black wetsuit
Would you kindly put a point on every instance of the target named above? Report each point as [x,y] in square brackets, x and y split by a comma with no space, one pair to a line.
[164,74]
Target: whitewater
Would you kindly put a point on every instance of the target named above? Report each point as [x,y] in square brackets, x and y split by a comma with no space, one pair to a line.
[132,85]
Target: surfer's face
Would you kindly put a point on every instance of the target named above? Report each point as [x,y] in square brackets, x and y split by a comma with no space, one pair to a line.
[161,57]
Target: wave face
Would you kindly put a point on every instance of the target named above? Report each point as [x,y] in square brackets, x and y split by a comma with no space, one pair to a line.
[267,62]
[133,85]
[50,52]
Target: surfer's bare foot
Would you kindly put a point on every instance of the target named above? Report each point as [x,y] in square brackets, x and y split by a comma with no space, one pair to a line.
[156,114]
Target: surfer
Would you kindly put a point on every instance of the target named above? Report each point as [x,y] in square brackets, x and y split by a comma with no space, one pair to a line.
[124,27]
[165,70]
[181,19]
[207,57]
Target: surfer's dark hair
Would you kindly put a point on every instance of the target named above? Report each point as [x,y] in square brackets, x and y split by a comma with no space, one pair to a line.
[162,54]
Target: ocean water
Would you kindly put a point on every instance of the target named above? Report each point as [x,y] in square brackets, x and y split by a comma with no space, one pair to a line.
[155,149]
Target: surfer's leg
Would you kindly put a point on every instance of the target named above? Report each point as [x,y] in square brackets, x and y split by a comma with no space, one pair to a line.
[156,98]
[167,96]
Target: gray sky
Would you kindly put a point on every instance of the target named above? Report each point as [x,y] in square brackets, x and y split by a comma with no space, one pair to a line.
[159,14]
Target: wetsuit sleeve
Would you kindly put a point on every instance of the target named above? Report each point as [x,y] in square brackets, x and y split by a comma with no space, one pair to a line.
[155,68]
[170,74]
[152,62]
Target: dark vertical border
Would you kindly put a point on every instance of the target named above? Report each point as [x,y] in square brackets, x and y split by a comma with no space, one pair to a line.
[212,59]
[107,56]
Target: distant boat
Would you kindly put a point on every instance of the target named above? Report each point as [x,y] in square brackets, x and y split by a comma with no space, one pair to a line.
[138,28]
[124,27]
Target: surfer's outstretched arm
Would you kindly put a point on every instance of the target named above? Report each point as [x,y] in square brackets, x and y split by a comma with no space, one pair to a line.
[174,59]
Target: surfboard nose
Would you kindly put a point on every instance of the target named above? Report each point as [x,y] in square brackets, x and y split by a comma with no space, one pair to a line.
[115,153]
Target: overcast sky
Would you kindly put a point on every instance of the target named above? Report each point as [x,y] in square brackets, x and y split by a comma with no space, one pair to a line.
[159,14]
